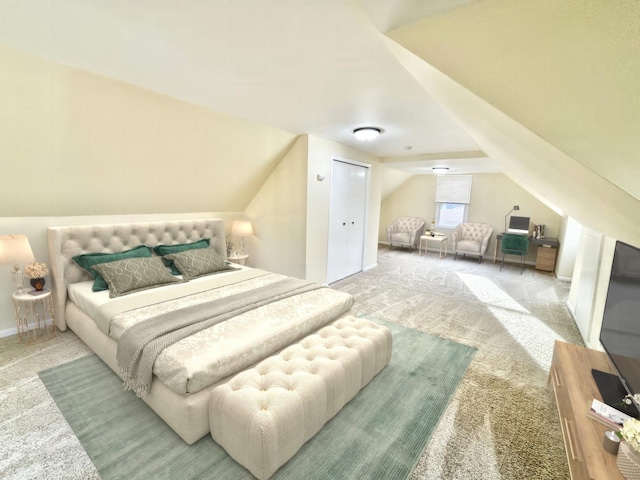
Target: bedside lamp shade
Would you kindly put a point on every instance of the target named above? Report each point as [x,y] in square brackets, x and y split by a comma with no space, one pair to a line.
[15,250]
[241,228]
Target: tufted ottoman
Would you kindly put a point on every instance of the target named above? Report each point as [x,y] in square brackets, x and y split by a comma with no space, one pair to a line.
[263,415]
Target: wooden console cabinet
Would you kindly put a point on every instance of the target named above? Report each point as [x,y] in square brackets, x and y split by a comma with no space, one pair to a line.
[575,389]
[546,258]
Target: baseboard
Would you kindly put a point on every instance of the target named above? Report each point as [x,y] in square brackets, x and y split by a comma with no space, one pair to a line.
[370,267]
[8,332]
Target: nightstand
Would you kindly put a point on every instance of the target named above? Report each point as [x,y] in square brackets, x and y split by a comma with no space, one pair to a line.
[35,320]
[240,259]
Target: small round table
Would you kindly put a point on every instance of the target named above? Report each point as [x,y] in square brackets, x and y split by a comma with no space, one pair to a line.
[35,319]
[239,258]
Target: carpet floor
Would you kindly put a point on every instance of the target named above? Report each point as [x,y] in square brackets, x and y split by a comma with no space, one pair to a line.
[378,435]
[500,424]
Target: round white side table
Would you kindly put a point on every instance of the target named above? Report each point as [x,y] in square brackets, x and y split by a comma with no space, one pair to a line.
[239,258]
[35,320]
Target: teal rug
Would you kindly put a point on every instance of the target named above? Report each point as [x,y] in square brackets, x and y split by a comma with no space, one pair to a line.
[380,434]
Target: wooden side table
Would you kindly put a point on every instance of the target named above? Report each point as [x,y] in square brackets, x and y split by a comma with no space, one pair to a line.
[35,320]
[240,259]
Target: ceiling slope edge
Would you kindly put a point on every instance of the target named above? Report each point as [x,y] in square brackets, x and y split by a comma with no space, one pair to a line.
[562,183]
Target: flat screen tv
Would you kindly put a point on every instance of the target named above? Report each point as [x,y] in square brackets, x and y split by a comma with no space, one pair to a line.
[620,334]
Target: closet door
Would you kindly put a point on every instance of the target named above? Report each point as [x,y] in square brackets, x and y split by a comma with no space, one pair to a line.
[347,214]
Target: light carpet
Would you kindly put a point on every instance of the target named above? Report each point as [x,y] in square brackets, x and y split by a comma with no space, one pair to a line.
[378,435]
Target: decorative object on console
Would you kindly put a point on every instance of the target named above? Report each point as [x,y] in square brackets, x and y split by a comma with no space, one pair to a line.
[611,442]
[15,250]
[628,460]
[515,207]
[241,228]
[36,271]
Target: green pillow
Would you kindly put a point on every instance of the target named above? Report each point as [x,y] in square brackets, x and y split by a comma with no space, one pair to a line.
[163,250]
[89,260]
[200,262]
[135,274]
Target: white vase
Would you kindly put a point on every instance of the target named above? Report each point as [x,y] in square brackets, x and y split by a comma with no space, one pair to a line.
[628,462]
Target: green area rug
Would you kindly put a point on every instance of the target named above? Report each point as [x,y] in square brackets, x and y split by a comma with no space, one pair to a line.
[380,434]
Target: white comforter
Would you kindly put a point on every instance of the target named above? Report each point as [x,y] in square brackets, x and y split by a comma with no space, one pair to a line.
[226,348]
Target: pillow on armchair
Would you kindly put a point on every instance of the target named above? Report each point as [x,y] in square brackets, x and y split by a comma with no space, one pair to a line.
[471,238]
[406,231]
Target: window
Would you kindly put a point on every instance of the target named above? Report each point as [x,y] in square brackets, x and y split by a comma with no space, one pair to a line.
[448,215]
[453,194]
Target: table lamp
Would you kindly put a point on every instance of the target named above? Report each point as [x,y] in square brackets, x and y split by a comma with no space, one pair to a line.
[15,250]
[241,229]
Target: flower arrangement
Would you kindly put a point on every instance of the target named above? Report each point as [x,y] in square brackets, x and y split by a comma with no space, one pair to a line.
[36,270]
[630,432]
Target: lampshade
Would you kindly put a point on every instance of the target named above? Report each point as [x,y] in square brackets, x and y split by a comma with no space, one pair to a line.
[15,250]
[365,134]
[241,228]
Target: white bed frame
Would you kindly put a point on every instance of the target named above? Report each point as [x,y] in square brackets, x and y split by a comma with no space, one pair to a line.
[187,415]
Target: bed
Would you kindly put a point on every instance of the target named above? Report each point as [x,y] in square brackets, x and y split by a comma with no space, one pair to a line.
[186,371]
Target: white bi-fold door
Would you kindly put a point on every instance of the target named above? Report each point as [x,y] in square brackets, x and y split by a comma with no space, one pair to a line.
[347,214]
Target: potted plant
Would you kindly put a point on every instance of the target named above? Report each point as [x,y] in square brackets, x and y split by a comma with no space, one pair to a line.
[36,271]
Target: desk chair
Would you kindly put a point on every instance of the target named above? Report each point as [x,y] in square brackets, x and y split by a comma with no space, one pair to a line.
[512,244]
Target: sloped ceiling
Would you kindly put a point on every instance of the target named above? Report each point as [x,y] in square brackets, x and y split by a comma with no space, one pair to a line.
[567,71]
[303,67]
[555,163]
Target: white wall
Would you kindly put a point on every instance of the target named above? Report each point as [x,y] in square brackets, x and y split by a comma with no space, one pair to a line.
[321,152]
[492,196]
[75,143]
[279,216]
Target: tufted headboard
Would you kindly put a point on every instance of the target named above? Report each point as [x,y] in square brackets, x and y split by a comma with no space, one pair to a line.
[66,242]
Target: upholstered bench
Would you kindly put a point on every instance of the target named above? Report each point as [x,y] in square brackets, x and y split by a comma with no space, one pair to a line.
[263,415]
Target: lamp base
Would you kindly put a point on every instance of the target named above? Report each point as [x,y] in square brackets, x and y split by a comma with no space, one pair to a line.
[18,277]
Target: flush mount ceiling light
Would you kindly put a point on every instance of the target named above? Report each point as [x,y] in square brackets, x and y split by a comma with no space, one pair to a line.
[439,170]
[365,134]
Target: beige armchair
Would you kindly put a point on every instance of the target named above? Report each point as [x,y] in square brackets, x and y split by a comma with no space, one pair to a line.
[472,238]
[406,231]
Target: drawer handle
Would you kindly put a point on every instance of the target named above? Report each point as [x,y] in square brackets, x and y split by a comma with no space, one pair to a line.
[556,377]
[569,429]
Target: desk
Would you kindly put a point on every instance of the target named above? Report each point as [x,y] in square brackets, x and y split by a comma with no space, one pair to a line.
[439,237]
[547,249]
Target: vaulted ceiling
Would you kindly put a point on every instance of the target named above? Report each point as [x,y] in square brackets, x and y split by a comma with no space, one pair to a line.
[304,67]
[565,71]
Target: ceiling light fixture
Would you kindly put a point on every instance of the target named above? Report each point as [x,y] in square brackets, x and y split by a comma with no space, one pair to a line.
[365,134]
[438,170]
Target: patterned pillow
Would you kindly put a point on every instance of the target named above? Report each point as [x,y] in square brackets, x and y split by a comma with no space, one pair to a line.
[135,274]
[164,250]
[197,263]
[88,261]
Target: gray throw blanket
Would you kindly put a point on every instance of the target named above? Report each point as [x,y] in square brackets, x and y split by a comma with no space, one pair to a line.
[141,344]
